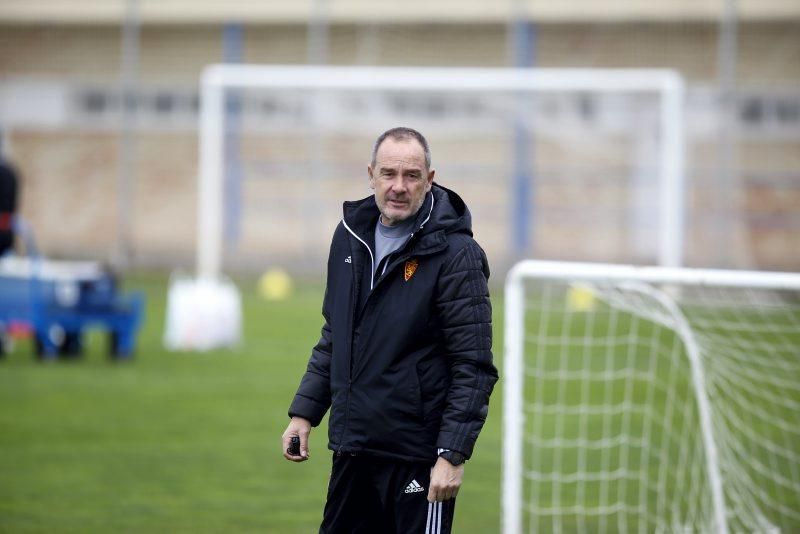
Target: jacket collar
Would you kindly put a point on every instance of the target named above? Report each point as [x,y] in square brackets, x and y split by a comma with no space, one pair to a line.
[442,211]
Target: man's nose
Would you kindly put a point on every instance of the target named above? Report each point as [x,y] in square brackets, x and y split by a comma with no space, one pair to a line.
[398,184]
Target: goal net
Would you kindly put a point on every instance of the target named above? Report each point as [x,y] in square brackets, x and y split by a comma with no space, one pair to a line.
[651,400]
[584,164]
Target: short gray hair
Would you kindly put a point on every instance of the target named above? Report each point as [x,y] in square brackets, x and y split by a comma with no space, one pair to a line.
[403,133]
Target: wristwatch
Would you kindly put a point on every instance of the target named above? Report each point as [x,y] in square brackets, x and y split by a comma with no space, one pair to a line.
[454,457]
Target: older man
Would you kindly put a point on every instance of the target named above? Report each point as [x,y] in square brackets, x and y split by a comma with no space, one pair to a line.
[404,361]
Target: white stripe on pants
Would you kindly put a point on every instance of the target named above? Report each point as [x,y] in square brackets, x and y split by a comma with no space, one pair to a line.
[434,523]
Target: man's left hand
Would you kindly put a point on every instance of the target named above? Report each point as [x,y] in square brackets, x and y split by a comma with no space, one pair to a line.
[445,480]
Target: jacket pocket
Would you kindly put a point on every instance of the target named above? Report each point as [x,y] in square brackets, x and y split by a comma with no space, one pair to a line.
[433,380]
[416,395]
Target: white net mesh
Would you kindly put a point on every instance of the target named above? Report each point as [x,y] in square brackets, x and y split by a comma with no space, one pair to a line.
[613,440]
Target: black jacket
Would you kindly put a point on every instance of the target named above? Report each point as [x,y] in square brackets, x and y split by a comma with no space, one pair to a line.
[404,360]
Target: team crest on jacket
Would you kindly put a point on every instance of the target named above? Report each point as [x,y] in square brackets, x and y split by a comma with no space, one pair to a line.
[411,268]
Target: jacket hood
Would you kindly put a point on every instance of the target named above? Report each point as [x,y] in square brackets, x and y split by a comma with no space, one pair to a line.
[442,211]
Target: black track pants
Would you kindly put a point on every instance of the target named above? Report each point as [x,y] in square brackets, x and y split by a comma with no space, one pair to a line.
[368,495]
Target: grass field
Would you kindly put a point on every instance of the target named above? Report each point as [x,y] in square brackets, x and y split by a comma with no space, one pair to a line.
[184,442]
[191,442]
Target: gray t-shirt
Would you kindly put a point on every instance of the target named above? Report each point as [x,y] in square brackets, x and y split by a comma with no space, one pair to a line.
[389,239]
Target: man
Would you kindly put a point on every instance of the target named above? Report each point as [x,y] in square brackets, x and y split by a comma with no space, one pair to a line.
[404,361]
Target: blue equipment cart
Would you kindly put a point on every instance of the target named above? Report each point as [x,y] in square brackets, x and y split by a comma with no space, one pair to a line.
[58,300]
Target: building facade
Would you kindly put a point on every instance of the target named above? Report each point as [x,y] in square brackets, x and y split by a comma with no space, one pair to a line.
[61,113]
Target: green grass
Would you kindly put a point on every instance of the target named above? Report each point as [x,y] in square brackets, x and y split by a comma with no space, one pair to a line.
[183,442]
[191,442]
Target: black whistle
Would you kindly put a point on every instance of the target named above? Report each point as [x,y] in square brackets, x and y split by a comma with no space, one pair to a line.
[294,446]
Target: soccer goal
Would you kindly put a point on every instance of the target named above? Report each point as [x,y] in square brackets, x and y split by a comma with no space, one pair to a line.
[585,164]
[649,399]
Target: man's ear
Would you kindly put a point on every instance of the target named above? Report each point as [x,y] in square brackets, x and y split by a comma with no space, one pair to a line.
[371,178]
[430,180]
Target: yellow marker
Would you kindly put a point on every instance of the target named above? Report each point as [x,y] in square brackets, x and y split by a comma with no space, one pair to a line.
[275,284]
[581,298]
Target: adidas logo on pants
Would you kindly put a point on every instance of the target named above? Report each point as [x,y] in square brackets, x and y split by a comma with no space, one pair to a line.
[414,487]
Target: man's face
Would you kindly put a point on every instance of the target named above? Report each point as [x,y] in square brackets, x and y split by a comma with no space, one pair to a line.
[400,179]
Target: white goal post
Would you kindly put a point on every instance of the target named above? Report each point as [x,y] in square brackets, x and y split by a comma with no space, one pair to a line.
[667,85]
[650,399]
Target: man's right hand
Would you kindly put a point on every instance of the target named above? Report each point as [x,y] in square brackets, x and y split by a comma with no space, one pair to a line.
[301,428]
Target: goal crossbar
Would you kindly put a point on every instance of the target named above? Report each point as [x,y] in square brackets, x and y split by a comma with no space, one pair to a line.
[655,275]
